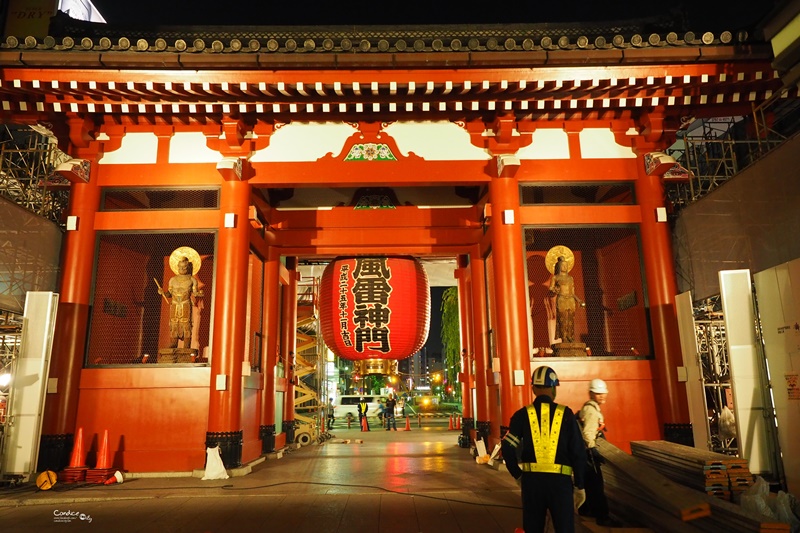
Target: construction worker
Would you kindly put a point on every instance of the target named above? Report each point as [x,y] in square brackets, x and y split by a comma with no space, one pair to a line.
[590,419]
[544,452]
[363,407]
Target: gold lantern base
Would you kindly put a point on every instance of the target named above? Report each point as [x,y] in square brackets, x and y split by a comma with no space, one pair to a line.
[366,367]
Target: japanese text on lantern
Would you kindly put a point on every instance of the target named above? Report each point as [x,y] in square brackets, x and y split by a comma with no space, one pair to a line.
[371,314]
[343,318]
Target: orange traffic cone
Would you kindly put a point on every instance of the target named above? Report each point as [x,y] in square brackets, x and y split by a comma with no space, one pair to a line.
[102,453]
[408,424]
[458,422]
[116,478]
[76,471]
[363,423]
[450,427]
[76,460]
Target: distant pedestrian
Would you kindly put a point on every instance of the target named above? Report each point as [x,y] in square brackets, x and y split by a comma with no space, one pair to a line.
[381,412]
[329,412]
[388,414]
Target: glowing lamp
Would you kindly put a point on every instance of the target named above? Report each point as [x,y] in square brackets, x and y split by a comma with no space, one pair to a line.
[374,307]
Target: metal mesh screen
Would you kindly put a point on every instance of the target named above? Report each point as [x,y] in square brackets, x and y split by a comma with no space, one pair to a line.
[130,320]
[607,275]
[256,311]
[29,251]
[590,193]
[137,199]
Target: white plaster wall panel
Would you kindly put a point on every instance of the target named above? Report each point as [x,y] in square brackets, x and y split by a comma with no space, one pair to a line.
[435,141]
[599,143]
[778,291]
[695,395]
[191,147]
[746,379]
[135,149]
[547,143]
[302,142]
[32,367]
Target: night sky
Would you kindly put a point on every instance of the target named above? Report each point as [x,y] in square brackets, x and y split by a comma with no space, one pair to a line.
[707,14]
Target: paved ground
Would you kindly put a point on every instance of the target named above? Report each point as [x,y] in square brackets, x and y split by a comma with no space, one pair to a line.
[404,481]
[394,482]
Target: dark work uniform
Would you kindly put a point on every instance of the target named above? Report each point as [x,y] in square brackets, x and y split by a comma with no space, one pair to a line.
[590,418]
[546,490]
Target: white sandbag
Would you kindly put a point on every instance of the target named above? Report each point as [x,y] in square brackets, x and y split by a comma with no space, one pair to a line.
[215,468]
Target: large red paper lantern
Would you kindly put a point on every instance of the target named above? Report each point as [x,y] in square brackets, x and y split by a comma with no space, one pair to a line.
[374,307]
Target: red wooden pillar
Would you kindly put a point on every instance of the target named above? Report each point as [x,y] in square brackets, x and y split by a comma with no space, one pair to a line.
[661,289]
[269,358]
[69,343]
[480,343]
[289,343]
[77,267]
[511,330]
[465,329]
[230,322]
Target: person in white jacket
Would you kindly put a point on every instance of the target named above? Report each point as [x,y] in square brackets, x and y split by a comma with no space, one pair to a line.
[592,424]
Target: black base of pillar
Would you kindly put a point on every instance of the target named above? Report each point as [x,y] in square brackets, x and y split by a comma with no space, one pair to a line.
[267,434]
[679,434]
[464,438]
[483,429]
[230,444]
[288,428]
[54,452]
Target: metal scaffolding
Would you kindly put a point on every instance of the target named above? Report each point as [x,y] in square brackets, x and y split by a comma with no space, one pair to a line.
[29,156]
[715,150]
[10,342]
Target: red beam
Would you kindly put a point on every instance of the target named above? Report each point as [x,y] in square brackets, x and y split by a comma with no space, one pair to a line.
[155,220]
[381,74]
[580,214]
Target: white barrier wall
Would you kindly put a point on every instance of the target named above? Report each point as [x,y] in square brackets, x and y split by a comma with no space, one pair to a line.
[747,382]
[778,291]
[30,385]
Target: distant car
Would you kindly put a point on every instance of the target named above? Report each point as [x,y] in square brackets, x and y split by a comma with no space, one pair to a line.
[348,403]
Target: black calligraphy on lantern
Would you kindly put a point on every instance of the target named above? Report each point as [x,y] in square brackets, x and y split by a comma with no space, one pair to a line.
[343,315]
[371,314]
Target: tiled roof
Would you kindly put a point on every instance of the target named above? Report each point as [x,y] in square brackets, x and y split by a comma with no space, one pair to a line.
[656,35]
[443,71]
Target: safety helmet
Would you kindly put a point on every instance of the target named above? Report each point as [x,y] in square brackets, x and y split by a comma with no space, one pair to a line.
[598,386]
[362,398]
[544,376]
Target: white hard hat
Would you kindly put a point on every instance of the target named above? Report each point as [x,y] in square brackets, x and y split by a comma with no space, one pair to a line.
[598,386]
